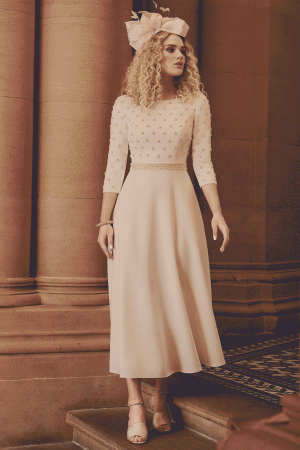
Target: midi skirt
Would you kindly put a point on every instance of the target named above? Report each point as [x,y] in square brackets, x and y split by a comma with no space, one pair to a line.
[161,313]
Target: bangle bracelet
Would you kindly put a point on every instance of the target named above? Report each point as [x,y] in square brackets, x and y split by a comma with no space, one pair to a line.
[104,223]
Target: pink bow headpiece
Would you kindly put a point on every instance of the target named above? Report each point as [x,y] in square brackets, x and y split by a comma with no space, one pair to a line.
[140,31]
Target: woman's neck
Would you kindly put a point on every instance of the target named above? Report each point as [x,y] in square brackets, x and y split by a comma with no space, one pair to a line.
[168,88]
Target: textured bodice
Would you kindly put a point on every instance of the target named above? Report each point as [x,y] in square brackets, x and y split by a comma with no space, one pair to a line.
[161,134]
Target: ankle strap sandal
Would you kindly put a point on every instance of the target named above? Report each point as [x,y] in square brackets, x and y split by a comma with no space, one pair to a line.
[138,403]
[161,420]
[161,392]
[137,429]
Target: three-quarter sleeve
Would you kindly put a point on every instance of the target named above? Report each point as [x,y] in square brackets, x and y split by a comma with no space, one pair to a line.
[118,149]
[201,144]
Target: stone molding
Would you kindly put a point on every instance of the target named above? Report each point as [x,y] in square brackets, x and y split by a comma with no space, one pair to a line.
[265,272]
[72,291]
[255,298]
[54,329]
[54,341]
[18,292]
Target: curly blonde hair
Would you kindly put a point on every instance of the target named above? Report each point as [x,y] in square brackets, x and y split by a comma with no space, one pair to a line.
[142,79]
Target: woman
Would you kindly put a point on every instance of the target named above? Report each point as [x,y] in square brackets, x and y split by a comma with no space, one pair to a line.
[158,270]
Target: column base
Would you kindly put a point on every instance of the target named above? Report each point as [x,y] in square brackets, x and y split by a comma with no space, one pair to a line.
[18,292]
[73,291]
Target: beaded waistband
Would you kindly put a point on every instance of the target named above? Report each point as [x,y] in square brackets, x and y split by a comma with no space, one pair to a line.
[158,166]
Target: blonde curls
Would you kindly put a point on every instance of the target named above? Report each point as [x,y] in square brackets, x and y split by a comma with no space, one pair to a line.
[142,79]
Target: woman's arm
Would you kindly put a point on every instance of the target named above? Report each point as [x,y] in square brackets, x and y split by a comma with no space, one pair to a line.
[106,231]
[203,167]
[108,203]
[218,222]
[114,174]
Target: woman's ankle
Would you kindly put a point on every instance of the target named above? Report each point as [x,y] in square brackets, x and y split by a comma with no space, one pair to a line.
[161,389]
[133,400]
[160,394]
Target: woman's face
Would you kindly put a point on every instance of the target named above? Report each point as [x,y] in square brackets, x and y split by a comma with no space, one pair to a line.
[174,58]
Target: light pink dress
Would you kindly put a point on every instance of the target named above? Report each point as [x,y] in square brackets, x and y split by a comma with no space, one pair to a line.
[162,319]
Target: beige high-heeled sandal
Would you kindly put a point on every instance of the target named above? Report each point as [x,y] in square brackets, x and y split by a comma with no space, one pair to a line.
[137,429]
[160,416]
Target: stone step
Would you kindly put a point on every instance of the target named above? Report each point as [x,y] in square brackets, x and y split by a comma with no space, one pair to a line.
[207,407]
[105,428]
[55,446]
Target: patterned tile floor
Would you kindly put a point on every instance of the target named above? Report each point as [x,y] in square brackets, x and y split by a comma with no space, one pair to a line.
[266,370]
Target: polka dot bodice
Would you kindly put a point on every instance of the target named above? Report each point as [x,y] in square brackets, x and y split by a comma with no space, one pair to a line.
[161,134]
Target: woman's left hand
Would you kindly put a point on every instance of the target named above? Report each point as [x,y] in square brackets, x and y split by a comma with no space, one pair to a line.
[218,222]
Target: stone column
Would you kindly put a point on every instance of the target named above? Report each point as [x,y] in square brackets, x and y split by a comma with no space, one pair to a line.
[84,54]
[16,133]
[250,68]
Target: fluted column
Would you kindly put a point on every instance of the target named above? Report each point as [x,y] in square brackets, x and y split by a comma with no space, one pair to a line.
[16,130]
[84,54]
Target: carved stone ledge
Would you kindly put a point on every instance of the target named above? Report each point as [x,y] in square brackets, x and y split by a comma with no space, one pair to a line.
[256,298]
[262,272]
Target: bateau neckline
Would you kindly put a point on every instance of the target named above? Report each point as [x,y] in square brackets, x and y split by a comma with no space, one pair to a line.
[168,99]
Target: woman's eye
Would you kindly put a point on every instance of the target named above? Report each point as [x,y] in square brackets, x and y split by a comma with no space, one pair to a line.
[171,50]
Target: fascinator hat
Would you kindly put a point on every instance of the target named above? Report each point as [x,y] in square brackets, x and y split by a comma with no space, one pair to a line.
[141,31]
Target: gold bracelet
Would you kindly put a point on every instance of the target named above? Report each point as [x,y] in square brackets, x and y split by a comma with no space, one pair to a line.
[104,223]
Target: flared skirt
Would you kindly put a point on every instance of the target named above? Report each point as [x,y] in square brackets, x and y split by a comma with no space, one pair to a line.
[161,313]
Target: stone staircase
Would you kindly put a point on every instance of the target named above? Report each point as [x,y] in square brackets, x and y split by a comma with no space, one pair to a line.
[202,412]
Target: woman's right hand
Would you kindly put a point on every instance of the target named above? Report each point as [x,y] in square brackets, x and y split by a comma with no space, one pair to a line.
[106,233]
